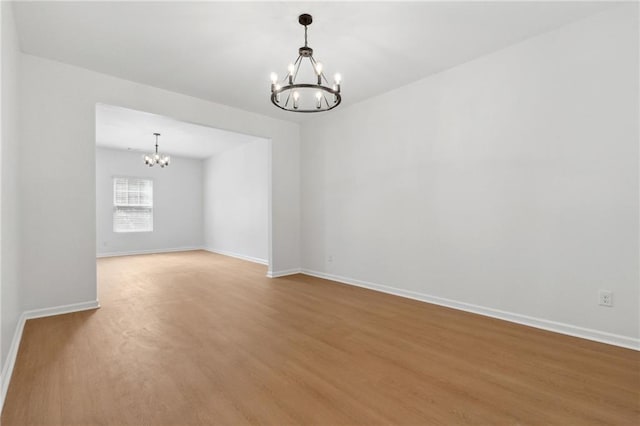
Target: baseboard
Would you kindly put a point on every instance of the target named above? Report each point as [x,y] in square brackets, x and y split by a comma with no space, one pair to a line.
[237,256]
[557,327]
[152,251]
[10,362]
[63,309]
[283,273]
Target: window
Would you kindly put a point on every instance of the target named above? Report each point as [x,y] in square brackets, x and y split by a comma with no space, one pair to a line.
[132,204]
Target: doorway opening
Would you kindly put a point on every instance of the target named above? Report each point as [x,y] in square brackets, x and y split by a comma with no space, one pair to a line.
[214,195]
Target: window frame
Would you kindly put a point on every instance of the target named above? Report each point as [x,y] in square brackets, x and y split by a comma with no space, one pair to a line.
[133,207]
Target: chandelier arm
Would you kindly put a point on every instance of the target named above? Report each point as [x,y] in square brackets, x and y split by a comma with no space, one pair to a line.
[286,76]
[298,62]
[288,97]
[313,61]
[325,99]
[314,65]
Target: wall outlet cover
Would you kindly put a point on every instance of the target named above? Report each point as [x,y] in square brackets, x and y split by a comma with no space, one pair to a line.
[605,298]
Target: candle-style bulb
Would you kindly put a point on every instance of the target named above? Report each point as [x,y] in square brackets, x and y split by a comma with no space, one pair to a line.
[296,96]
[318,99]
[291,69]
[278,87]
[274,78]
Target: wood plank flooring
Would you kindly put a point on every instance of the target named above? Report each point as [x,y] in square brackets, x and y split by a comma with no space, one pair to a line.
[199,338]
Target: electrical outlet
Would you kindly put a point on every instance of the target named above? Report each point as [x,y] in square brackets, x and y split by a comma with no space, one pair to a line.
[605,298]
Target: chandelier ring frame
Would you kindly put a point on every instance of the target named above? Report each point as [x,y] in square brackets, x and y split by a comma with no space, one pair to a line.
[291,87]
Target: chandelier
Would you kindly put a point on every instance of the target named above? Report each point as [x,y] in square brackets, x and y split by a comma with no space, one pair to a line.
[291,95]
[157,158]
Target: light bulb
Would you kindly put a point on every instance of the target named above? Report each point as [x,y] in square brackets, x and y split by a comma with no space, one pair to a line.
[291,68]
[278,87]
[296,96]
[337,78]
[318,68]
[318,100]
[274,78]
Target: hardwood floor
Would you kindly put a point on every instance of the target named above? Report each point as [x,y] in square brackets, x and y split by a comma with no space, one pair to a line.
[198,338]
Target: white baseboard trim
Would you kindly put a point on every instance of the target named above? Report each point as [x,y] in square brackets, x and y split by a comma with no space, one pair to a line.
[59,310]
[283,273]
[10,362]
[557,327]
[153,251]
[237,255]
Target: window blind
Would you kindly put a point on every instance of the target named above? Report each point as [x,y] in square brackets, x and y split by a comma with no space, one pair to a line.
[132,204]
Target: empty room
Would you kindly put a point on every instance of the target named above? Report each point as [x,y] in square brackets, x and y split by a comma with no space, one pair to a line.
[319,213]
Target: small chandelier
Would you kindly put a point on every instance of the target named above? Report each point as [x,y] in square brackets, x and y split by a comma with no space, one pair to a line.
[157,158]
[290,95]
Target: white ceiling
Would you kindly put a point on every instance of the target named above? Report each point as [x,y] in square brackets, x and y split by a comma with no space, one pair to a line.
[224,52]
[122,128]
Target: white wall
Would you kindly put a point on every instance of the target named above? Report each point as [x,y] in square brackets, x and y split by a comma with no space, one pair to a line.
[57,136]
[10,242]
[509,182]
[177,203]
[236,202]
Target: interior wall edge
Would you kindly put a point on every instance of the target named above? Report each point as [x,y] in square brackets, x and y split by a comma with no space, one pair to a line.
[554,326]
